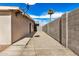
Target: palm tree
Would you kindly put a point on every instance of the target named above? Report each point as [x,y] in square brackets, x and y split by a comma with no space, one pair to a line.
[50,12]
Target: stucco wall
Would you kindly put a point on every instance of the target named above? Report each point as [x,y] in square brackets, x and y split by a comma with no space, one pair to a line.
[20,26]
[13,27]
[5,29]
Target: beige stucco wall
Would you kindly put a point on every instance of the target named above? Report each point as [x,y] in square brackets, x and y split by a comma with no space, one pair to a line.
[20,26]
[5,29]
[13,27]
[32,25]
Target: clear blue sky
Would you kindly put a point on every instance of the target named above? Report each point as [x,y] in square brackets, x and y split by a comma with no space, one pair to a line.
[40,8]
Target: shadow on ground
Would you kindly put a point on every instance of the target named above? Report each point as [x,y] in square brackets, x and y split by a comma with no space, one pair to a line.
[3,47]
[26,36]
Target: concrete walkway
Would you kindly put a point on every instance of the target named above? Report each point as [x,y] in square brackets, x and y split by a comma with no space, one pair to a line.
[42,45]
[16,49]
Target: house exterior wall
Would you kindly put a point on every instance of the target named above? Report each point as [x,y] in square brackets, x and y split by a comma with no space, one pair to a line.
[5,28]
[32,26]
[12,27]
[20,26]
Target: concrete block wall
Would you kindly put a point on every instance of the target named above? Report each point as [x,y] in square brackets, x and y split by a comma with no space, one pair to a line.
[55,32]
[60,33]
[44,28]
[73,31]
[63,30]
[53,29]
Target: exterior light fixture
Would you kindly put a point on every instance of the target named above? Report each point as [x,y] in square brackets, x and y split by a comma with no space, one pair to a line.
[17,12]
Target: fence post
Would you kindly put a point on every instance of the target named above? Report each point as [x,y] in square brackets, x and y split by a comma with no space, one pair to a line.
[66,29]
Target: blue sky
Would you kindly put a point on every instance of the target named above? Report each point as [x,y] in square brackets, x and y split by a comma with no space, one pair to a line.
[38,11]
